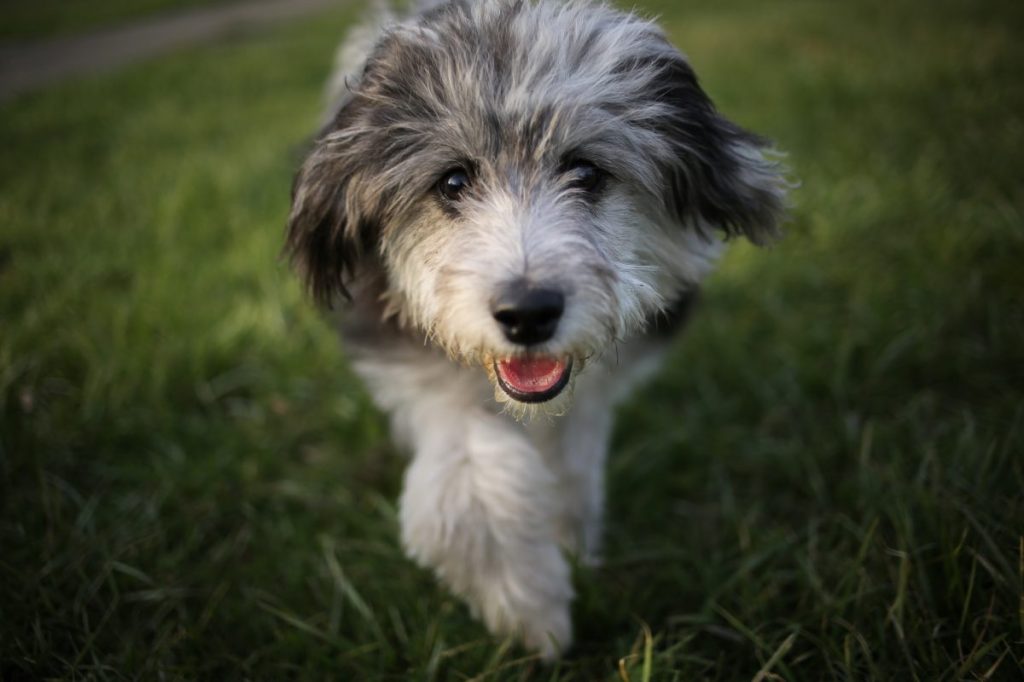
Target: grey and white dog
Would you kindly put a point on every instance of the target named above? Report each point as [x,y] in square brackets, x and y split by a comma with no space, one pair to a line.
[511,201]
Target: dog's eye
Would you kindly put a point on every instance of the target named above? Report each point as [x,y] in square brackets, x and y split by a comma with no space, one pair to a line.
[453,184]
[584,176]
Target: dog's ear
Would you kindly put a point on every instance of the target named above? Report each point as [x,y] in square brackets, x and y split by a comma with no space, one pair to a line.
[718,175]
[327,227]
[318,243]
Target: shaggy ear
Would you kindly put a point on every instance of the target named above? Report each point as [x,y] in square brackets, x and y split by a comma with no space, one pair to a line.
[326,228]
[719,175]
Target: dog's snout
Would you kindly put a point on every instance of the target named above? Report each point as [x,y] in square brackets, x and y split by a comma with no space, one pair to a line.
[528,315]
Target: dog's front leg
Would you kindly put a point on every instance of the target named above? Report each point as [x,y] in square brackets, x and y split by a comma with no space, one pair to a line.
[584,436]
[479,507]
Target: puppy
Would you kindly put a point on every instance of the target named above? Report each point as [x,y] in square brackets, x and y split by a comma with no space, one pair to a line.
[511,203]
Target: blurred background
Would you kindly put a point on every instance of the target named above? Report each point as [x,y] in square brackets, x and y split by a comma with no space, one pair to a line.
[825,483]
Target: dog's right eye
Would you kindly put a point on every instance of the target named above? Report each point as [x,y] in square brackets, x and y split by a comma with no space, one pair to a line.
[453,184]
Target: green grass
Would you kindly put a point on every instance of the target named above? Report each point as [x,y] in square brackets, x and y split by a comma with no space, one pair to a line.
[826,483]
[33,19]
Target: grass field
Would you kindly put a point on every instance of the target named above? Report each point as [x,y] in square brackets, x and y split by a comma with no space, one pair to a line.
[827,483]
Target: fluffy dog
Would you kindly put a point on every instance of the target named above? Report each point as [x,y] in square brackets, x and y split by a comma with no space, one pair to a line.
[512,203]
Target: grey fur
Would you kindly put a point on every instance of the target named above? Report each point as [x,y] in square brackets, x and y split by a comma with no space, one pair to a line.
[490,86]
[517,94]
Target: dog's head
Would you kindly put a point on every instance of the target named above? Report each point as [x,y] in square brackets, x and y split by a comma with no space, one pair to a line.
[531,181]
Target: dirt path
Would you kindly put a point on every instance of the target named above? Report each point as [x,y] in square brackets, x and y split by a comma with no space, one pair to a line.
[28,66]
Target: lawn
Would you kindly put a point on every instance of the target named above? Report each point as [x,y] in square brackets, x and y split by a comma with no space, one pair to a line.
[827,482]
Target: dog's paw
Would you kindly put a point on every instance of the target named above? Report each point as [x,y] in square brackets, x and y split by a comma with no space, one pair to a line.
[544,631]
[591,559]
[531,603]
[549,634]
[581,543]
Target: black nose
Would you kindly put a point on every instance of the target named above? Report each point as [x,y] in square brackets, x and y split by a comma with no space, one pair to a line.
[528,316]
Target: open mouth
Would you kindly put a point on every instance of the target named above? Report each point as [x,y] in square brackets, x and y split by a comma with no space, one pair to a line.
[533,379]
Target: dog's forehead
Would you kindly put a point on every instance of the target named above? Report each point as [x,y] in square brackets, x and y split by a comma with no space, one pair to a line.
[545,77]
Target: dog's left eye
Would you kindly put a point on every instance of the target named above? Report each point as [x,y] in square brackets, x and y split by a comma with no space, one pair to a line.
[453,184]
[584,176]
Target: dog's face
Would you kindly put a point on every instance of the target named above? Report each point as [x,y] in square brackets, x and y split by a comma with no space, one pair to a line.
[527,183]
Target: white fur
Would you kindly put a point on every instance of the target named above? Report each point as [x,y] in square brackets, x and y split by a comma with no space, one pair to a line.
[489,502]
[498,490]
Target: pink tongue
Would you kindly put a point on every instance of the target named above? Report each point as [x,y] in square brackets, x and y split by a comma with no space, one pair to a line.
[531,375]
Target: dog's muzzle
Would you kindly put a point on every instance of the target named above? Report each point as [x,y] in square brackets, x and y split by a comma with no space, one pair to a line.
[528,316]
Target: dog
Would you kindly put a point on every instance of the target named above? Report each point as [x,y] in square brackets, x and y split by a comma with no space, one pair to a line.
[510,208]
